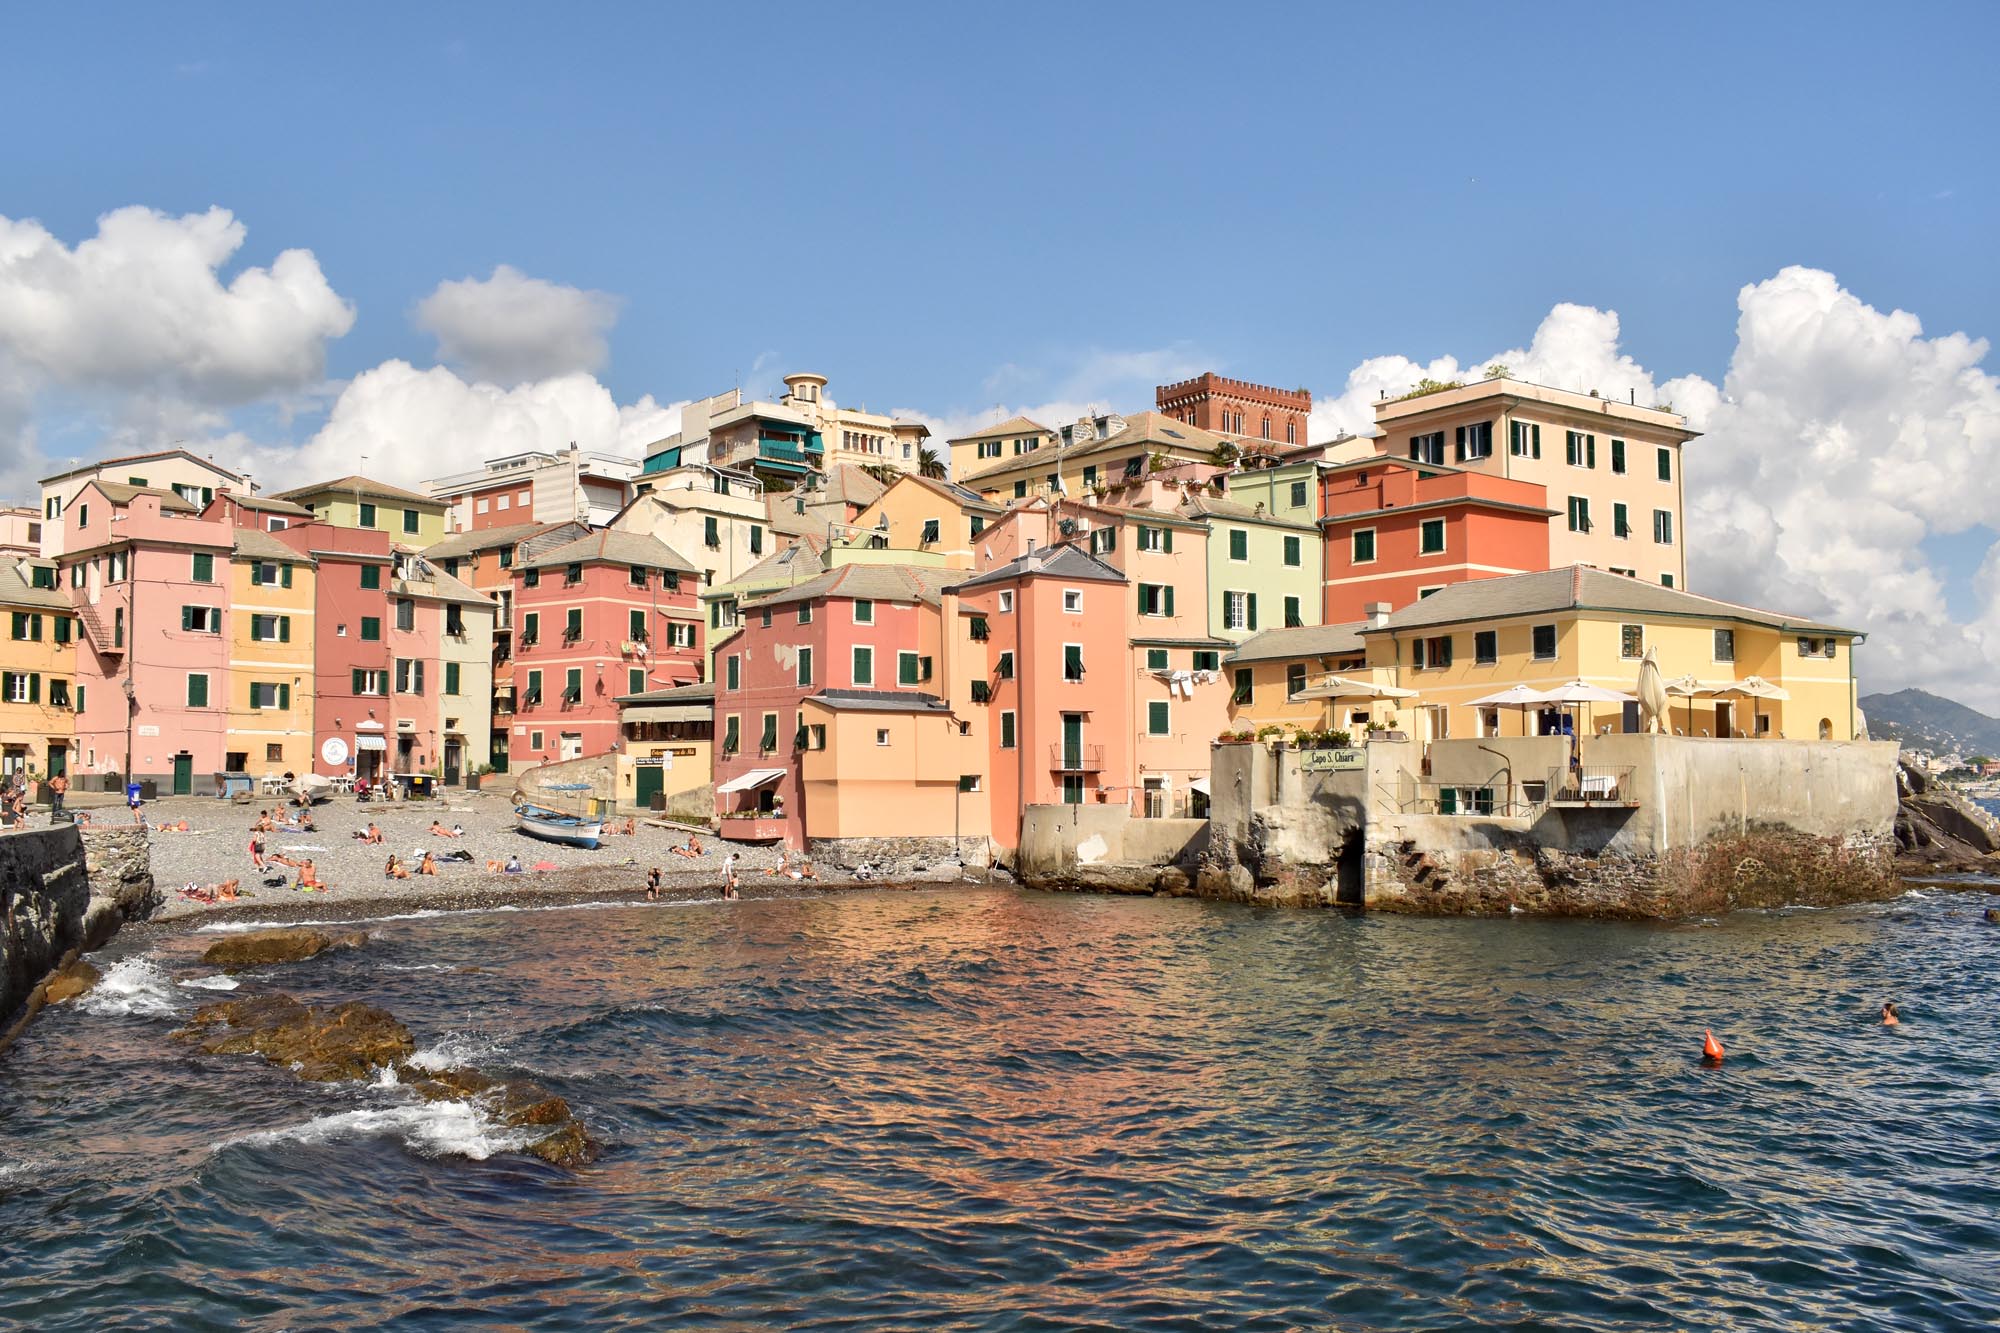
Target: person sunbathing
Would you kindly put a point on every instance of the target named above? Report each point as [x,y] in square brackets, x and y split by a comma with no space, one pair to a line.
[309,878]
[373,834]
[427,866]
[395,869]
[440,831]
[226,891]
[513,866]
[279,858]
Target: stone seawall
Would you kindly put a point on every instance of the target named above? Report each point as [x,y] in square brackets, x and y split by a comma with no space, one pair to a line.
[63,889]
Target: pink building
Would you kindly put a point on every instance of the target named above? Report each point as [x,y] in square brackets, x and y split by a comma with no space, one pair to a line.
[856,639]
[148,577]
[609,614]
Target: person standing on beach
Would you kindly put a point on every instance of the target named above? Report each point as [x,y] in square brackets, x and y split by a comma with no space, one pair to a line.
[653,884]
[256,851]
[729,875]
[58,788]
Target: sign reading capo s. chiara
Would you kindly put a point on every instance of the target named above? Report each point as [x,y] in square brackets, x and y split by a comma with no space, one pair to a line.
[1332,761]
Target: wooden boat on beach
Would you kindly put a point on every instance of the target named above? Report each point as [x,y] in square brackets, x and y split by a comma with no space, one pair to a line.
[555,826]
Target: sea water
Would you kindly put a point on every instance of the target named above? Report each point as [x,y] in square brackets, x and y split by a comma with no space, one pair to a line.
[987,1109]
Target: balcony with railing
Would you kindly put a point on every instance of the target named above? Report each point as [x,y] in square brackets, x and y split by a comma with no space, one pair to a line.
[1066,758]
[1592,786]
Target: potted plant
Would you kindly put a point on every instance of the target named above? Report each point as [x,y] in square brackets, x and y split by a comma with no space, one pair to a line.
[1272,733]
[1339,740]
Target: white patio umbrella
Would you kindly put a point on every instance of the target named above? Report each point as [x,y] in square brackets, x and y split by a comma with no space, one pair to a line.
[1335,688]
[1522,697]
[1687,687]
[1583,692]
[1754,688]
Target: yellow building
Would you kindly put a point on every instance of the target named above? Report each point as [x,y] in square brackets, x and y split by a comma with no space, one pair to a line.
[1085,460]
[666,747]
[357,502]
[1612,470]
[37,672]
[883,765]
[1268,674]
[918,514]
[270,719]
[1012,438]
[1544,629]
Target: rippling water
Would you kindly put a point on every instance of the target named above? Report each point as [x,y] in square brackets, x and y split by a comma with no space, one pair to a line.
[988,1109]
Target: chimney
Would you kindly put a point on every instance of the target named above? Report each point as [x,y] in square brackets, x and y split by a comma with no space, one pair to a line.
[1377,613]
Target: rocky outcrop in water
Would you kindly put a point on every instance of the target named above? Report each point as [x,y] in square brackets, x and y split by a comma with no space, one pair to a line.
[1939,830]
[286,944]
[67,983]
[354,1041]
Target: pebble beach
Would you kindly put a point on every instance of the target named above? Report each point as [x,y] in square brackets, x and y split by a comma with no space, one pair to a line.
[216,847]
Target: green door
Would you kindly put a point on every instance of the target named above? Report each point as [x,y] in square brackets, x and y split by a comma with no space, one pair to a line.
[1072,742]
[183,775]
[647,782]
[58,758]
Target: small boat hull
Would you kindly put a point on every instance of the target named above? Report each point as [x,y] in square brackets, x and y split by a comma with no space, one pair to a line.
[569,830]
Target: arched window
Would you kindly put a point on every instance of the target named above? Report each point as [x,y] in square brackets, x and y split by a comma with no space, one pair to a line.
[1267,427]
[1826,728]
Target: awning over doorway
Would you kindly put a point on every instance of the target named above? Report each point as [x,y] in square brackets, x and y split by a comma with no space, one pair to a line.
[370,743]
[756,777]
[1200,785]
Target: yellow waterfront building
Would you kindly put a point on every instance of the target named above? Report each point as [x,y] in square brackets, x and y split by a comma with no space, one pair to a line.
[37,671]
[270,704]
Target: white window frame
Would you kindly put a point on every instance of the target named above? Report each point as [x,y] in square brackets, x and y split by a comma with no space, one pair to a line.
[1663,522]
[860,602]
[1006,602]
[1072,601]
[1001,736]
[854,657]
[1374,546]
[882,736]
[1233,602]
[1444,536]
[1426,592]
[1715,641]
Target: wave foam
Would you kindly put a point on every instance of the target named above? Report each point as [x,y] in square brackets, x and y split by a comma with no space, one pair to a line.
[456,1050]
[216,982]
[432,1129]
[132,986]
[425,914]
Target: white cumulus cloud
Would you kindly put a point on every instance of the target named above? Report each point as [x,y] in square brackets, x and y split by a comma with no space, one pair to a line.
[1840,439]
[414,424]
[510,328]
[137,323]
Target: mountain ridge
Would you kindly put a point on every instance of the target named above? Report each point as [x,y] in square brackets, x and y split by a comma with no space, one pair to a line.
[1921,719]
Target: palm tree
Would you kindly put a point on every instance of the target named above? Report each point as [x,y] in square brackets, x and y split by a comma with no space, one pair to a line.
[930,464]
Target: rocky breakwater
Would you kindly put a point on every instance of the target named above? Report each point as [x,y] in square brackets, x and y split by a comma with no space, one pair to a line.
[1940,832]
[357,1041]
[63,892]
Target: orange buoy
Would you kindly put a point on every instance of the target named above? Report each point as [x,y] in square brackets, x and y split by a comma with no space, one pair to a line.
[1711,1049]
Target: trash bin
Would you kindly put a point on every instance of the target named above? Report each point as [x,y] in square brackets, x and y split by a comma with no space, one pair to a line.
[134,791]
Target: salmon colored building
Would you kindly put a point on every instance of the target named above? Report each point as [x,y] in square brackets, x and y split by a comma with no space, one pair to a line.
[610,614]
[352,571]
[807,662]
[1057,681]
[1395,532]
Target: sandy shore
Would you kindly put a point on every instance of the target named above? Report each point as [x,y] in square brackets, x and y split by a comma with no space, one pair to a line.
[217,847]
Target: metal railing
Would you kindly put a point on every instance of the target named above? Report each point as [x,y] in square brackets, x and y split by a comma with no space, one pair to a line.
[1591,784]
[1076,758]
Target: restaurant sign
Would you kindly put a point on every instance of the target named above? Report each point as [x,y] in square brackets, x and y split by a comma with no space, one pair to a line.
[1332,761]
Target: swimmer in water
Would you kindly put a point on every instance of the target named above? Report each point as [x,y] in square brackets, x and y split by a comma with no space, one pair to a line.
[1890,1018]
[653,883]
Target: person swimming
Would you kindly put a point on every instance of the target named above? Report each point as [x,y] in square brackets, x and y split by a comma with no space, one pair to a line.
[1890,1018]
[653,883]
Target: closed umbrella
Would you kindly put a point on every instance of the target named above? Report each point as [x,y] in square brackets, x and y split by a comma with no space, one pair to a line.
[1652,694]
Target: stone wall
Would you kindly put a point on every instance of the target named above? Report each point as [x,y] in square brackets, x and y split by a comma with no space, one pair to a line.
[1104,848]
[118,860]
[896,859]
[44,896]
[1711,826]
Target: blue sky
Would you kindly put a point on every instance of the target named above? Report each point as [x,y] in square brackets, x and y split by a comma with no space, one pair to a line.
[950,208]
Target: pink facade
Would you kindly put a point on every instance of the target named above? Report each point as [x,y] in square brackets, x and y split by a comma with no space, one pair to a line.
[829,640]
[351,670]
[130,569]
[613,613]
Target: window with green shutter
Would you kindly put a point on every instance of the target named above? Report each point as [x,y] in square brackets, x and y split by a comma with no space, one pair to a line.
[1156,659]
[79,696]
[62,629]
[1364,547]
[864,666]
[572,684]
[711,535]
[906,669]
[1239,544]
[409,520]
[635,680]
[371,629]
[367,515]
[756,540]
[1157,717]
[197,692]
[1006,731]
[204,567]
[732,672]
[1293,552]
[573,624]
[451,670]
[636,625]
[371,576]
[1618,455]
[1666,464]
[1293,620]
[1431,537]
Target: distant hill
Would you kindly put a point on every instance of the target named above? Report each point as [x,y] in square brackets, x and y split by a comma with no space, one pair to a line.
[1922,719]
